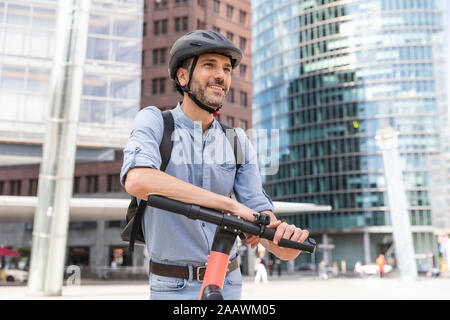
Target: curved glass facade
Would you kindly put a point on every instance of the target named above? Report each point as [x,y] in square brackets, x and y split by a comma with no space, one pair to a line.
[329,74]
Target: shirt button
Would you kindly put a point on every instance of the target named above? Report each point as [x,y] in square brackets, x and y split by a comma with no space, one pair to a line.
[203,224]
[197,125]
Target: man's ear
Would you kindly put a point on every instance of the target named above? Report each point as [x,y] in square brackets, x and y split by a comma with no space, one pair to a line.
[182,76]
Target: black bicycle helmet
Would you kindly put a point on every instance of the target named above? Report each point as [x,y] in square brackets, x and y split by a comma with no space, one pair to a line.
[192,45]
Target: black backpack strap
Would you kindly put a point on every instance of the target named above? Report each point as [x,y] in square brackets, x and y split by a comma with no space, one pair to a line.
[136,223]
[235,143]
[165,149]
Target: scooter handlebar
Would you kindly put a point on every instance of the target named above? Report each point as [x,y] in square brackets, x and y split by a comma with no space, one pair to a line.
[227,221]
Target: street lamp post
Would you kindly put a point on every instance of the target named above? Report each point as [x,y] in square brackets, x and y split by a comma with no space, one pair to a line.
[58,157]
[404,249]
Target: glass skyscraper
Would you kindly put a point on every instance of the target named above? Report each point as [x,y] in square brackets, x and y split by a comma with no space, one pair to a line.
[329,74]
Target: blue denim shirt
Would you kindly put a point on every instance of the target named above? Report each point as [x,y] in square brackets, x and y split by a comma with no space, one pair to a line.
[202,159]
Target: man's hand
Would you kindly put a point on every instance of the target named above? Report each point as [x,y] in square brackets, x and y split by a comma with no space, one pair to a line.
[284,230]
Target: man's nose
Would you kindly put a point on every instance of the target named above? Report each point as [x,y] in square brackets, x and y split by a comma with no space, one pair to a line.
[219,74]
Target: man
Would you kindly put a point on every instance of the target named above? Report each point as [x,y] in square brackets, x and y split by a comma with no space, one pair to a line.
[201,171]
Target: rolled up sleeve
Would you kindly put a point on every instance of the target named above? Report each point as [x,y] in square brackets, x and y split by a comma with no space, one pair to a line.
[247,185]
[142,148]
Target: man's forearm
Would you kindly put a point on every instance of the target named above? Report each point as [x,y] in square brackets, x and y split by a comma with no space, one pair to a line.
[142,182]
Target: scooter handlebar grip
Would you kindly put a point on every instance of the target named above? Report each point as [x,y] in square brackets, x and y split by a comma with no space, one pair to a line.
[307,245]
[169,204]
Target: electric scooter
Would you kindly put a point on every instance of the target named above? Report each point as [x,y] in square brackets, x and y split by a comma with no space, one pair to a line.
[228,228]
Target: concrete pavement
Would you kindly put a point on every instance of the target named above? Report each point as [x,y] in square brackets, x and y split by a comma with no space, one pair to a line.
[288,287]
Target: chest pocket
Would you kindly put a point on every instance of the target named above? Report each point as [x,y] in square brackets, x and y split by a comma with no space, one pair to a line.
[222,178]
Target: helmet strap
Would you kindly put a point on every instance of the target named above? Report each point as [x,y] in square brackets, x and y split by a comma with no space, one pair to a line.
[191,94]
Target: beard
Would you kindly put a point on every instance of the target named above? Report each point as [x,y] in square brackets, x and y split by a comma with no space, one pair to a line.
[214,99]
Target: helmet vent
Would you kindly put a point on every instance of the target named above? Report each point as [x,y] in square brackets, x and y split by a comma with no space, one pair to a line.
[207,36]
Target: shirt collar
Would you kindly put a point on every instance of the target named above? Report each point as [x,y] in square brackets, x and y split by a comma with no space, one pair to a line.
[179,115]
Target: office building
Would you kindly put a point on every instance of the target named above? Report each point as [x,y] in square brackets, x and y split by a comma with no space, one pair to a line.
[329,74]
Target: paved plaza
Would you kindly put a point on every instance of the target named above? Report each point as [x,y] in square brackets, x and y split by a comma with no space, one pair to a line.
[288,287]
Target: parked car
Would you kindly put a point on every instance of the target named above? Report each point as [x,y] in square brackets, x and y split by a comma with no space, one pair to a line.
[426,269]
[372,269]
[16,275]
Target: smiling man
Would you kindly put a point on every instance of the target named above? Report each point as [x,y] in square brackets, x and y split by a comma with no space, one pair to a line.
[200,64]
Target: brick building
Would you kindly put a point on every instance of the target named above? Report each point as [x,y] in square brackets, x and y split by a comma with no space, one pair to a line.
[166,20]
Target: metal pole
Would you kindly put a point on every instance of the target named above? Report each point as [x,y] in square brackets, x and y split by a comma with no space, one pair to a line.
[404,248]
[56,172]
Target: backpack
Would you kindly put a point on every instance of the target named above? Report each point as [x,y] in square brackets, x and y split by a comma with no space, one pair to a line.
[132,233]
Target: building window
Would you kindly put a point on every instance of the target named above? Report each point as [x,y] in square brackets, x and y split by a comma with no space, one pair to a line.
[243,98]
[158,86]
[159,56]
[229,11]
[144,29]
[164,26]
[15,187]
[160,27]
[181,24]
[156,27]
[32,187]
[161,4]
[78,256]
[113,183]
[201,3]
[242,70]
[242,43]
[201,25]
[216,6]
[230,36]
[92,184]
[243,124]
[180,2]
[230,121]
[230,96]
[76,184]
[116,224]
[185,23]
[177,24]
[2,183]
[216,29]
[242,16]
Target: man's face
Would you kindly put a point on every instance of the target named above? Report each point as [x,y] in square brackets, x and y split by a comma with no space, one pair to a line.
[211,79]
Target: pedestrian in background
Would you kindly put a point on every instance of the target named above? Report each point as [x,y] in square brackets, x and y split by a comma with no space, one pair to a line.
[261,272]
[358,269]
[322,270]
[335,269]
[381,262]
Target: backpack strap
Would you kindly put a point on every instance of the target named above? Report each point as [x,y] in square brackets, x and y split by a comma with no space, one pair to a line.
[237,149]
[165,149]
